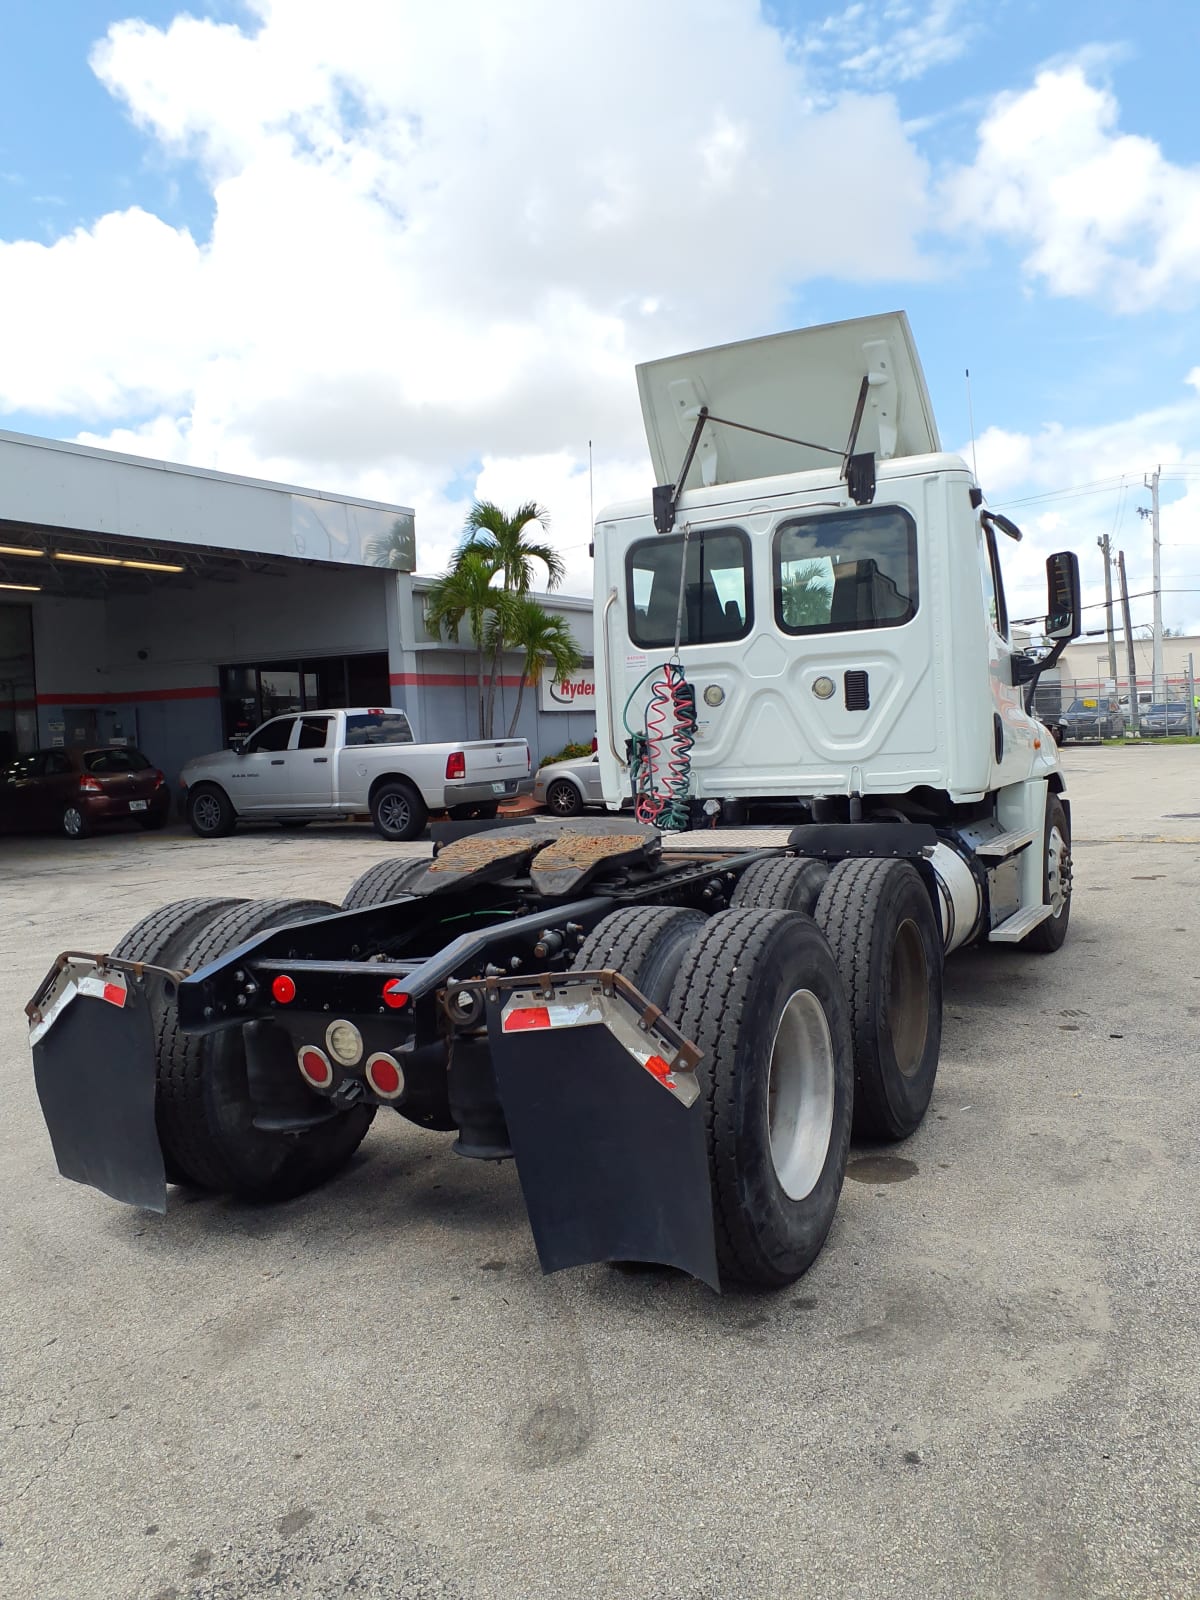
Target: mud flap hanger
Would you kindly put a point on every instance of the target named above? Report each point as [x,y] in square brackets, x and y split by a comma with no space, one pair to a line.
[857,470]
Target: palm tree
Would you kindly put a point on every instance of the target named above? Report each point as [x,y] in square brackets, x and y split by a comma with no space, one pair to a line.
[545,638]
[393,548]
[466,593]
[514,557]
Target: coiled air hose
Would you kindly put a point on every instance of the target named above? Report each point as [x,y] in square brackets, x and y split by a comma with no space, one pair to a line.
[660,752]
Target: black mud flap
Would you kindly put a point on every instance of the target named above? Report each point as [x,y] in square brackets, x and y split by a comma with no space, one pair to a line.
[607,1126]
[94,1067]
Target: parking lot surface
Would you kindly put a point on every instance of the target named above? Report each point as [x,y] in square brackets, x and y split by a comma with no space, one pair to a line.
[988,1384]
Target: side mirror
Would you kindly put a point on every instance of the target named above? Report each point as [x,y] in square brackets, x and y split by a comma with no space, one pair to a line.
[1064,610]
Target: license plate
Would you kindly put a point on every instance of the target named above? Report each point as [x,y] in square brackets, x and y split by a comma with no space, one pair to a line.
[499,788]
[138,805]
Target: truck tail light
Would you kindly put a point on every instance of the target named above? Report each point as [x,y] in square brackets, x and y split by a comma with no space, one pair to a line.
[384,1075]
[456,764]
[315,1066]
[89,785]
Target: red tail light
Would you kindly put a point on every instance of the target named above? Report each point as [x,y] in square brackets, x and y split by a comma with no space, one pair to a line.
[89,785]
[159,779]
[528,760]
[456,765]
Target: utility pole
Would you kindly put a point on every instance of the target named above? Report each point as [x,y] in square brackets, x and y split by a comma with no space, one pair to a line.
[1134,719]
[1104,544]
[1151,483]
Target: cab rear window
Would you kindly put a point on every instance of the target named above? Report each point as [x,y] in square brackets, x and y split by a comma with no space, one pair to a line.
[717,605]
[378,727]
[846,573]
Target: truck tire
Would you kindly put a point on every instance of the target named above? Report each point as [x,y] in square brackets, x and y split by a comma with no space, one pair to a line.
[790,884]
[563,799]
[759,992]
[210,812]
[159,939]
[646,944]
[383,882]
[880,921]
[1049,935]
[398,811]
[204,1109]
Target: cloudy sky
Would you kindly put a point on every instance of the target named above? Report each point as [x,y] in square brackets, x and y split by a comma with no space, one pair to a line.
[413,252]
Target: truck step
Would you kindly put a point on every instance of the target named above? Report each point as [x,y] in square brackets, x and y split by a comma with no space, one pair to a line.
[1006,844]
[1017,926]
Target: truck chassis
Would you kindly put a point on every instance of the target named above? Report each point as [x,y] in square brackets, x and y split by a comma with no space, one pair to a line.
[672,1046]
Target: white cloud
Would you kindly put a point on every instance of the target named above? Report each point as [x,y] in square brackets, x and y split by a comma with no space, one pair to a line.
[445,234]
[893,41]
[1068,486]
[1099,213]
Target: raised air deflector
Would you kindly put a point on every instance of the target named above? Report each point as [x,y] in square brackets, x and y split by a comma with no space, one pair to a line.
[804,385]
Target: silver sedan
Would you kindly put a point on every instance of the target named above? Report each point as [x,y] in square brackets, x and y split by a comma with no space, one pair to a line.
[566,787]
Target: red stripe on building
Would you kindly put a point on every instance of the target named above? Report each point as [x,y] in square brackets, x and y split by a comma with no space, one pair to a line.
[206,692]
[447,680]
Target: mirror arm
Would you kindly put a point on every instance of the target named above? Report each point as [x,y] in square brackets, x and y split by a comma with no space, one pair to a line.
[1037,668]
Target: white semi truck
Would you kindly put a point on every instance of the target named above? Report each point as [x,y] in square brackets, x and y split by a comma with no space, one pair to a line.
[675,1045]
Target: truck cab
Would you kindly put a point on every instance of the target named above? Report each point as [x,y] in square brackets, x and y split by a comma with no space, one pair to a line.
[845,633]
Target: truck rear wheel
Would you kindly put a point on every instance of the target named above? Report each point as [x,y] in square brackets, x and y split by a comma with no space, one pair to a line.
[881,924]
[645,944]
[1049,935]
[789,884]
[760,994]
[205,1114]
[160,939]
[383,882]
[398,811]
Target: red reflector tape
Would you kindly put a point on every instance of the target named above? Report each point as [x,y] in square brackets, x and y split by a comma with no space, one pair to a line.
[114,993]
[527,1017]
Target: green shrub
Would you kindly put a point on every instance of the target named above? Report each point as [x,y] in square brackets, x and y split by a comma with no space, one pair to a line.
[569,752]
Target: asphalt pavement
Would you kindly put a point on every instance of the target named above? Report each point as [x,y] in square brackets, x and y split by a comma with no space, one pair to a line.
[987,1386]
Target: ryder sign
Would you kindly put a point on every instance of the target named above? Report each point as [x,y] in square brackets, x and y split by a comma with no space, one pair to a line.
[576,693]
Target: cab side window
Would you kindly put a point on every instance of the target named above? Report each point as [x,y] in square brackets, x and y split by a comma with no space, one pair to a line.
[993,582]
[314,733]
[271,736]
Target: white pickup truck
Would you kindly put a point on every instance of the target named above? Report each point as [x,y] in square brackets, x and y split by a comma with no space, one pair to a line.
[335,764]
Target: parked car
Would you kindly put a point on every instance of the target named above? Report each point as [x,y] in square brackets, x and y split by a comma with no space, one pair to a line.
[1098,718]
[76,791]
[330,765]
[1165,717]
[566,787]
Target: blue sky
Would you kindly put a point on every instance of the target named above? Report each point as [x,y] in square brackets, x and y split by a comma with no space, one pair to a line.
[405,254]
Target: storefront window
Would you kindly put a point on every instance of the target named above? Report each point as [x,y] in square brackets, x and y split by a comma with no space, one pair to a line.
[252,694]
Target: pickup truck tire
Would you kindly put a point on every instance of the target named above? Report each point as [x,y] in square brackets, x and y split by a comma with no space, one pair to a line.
[159,939]
[1049,935]
[646,944]
[880,921]
[563,799]
[204,1110]
[397,810]
[210,812]
[383,882]
[760,993]
[788,885]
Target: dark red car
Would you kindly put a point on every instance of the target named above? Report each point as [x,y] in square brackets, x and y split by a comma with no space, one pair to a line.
[75,791]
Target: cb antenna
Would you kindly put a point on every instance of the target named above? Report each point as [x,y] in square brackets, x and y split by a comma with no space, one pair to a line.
[591,494]
[971,418]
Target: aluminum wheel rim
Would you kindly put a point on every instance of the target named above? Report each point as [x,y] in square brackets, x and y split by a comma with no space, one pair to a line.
[563,799]
[908,998]
[207,812]
[73,821]
[1058,872]
[394,812]
[800,1095]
